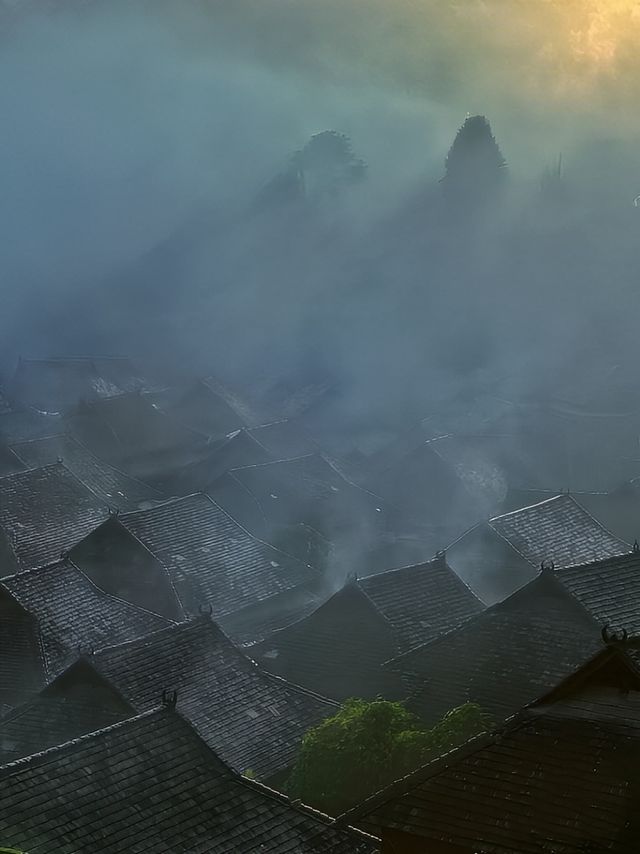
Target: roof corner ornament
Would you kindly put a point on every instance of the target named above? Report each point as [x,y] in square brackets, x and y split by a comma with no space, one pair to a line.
[611,638]
[64,555]
[636,547]
[547,566]
[206,610]
[170,700]
[441,554]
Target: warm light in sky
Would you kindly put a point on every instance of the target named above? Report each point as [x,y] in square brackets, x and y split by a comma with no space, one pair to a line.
[602,29]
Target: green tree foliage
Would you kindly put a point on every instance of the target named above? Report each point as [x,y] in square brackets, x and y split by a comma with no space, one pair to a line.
[475,167]
[367,745]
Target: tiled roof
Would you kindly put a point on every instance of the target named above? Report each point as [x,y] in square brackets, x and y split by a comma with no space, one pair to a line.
[421,601]
[151,784]
[504,658]
[557,530]
[553,779]
[256,622]
[609,590]
[114,487]
[236,449]
[73,612]
[52,385]
[210,558]
[284,439]
[9,462]
[338,650]
[23,424]
[118,563]
[46,511]
[129,431]
[204,408]
[23,662]
[426,487]
[252,719]
[79,701]
[307,489]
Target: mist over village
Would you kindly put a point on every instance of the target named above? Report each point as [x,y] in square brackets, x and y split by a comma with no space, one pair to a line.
[319,427]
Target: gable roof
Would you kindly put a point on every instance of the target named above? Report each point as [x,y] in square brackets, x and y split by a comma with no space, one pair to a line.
[73,612]
[252,719]
[609,590]
[337,650]
[44,512]
[236,449]
[560,777]
[130,431]
[421,601]
[499,556]
[426,486]
[150,783]
[210,558]
[77,702]
[503,658]
[210,408]
[307,489]
[23,662]
[114,487]
[54,384]
[557,530]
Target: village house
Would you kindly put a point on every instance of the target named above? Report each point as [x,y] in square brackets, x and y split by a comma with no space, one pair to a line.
[186,554]
[562,775]
[253,720]
[338,650]
[47,615]
[150,782]
[498,556]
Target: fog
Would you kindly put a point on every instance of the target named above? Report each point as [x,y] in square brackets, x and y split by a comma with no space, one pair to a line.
[138,140]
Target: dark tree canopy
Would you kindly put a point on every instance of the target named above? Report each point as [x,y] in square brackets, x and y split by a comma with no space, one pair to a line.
[324,167]
[368,745]
[327,162]
[475,167]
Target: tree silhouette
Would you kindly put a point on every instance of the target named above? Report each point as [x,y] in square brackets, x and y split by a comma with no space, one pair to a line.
[327,164]
[475,167]
[320,170]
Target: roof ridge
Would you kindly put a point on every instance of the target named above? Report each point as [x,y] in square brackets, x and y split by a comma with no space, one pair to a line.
[429,769]
[116,519]
[16,765]
[256,539]
[111,596]
[597,521]
[102,462]
[439,557]
[275,462]
[182,625]
[630,557]
[529,506]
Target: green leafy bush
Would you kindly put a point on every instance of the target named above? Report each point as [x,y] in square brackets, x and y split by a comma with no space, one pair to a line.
[367,745]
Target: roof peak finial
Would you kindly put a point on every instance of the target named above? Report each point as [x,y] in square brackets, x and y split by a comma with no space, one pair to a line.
[170,700]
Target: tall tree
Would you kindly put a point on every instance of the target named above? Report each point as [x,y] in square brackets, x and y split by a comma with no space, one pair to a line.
[475,167]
